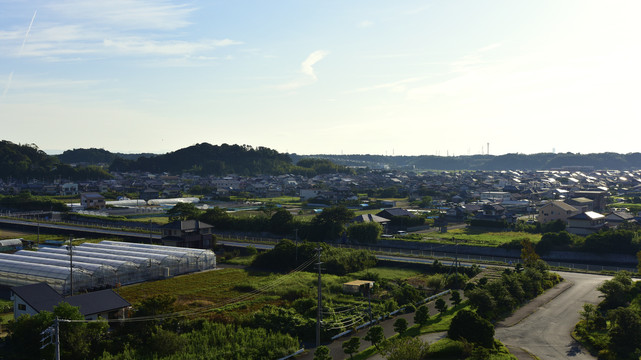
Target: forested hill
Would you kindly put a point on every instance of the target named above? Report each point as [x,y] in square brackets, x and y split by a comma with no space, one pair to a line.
[541,161]
[207,159]
[95,156]
[26,162]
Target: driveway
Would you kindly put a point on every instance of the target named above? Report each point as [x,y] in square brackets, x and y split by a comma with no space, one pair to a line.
[543,326]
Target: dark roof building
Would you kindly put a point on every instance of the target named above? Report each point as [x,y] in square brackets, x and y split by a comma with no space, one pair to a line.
[34,298]
[188,233]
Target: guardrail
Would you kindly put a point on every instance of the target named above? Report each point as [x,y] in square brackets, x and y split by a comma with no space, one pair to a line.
[292,355]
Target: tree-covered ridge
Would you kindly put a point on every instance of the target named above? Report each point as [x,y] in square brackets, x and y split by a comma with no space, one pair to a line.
[540,161]
[95,156]
[207,159]
[210,159]
[26,161]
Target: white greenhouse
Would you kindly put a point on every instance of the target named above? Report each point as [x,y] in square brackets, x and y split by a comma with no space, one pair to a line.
[17,273]
[106,264]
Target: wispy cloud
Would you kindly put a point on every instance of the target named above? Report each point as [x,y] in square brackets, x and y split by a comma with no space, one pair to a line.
[307,65]
[126,14]
[365,24]
[307,70]
[70,30]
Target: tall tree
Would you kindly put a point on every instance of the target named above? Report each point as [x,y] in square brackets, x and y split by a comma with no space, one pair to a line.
[351,346]
[375,335]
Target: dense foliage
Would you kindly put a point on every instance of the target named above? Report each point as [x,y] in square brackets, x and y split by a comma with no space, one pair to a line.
[286,256]
[24,162]
[210,159]
[27,202]
[495,298]
[94,156]
[329,225]
[613,328]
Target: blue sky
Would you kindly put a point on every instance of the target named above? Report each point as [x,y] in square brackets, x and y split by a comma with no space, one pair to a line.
[310,77]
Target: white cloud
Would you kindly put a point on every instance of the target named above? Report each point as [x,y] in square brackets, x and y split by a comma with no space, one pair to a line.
[307,65]
[365,24]
[307,69]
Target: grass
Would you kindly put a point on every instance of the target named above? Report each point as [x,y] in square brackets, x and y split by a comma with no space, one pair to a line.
[477,237]
[240,291]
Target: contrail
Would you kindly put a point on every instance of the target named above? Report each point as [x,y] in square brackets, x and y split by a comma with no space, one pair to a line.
[24,41]
[27,34]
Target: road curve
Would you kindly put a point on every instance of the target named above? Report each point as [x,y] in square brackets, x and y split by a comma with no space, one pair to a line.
[546,332]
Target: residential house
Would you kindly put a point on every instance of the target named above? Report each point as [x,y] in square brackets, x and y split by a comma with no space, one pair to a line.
[598,196]
[92,201]
[616,218]
[581,203]
[34,298]
[188,233]
[556,210]
[585,223]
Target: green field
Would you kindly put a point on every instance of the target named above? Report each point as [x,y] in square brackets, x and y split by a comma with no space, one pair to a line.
[483,238]
[234,292]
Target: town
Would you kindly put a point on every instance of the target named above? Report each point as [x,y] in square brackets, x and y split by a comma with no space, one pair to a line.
[478,224]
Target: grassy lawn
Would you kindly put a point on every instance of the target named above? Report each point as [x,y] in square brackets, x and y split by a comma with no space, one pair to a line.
[484,238]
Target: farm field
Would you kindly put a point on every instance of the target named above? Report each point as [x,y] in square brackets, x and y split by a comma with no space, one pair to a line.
[483,238]
[229,293]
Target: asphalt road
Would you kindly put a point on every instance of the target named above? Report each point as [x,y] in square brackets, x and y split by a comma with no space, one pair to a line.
[546,332]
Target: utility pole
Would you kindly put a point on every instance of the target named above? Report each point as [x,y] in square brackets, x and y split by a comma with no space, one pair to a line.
[150,240]
[51,336]
[320,301]
[57,344]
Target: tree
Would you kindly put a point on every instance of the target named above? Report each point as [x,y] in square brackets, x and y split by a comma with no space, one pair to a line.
[616,292]
[281,222]
[528,255]
[422,315]
[329,224]
[639,259]
[455,298]
[400,325]
[183,211]
[404,348]
[441,305]
[471,327]
[625,331]
[367,232]
[351,346]
[76,338]
[375,335]
[322,353]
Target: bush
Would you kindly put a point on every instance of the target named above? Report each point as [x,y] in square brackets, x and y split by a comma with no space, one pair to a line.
[471,327]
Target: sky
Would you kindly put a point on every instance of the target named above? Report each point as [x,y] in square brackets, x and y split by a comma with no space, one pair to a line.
[447,77]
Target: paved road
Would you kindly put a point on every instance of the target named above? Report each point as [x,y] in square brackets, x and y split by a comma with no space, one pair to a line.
[546,332]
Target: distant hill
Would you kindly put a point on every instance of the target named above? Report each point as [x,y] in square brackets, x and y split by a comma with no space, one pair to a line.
[204,159]
[95,156]
[26,162]
[210,159]
[541,161]
[207,159]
